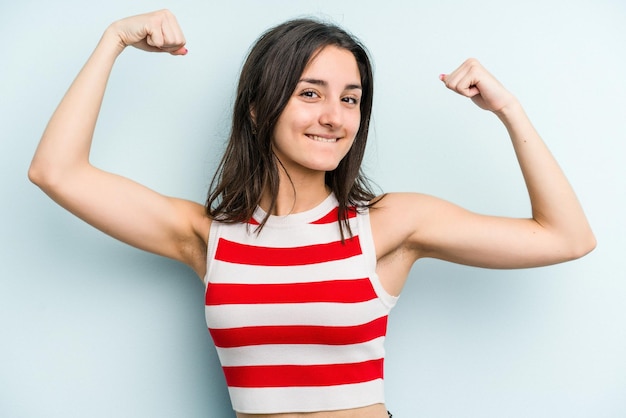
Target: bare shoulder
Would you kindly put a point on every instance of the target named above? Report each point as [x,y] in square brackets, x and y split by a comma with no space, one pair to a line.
[408,201]
[195,213]
[399,209]
[392,220]
[407,220]
[393,223]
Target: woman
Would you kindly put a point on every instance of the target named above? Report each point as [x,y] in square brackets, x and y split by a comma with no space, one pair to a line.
[302,262]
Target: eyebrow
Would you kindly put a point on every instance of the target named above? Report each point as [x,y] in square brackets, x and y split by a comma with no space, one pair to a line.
[324,83]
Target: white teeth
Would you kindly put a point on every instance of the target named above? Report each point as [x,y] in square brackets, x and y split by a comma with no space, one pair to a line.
[320,139]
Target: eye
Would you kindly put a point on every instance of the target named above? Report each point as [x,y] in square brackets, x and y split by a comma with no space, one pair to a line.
[351,100]
[309,94]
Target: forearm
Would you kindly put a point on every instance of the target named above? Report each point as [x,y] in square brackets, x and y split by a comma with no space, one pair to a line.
[555,206]
[66,141]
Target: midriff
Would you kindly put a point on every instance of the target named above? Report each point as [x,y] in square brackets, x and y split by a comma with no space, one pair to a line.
[371,411]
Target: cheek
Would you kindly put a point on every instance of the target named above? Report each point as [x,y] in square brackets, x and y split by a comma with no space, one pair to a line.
[292,120]
[355,124]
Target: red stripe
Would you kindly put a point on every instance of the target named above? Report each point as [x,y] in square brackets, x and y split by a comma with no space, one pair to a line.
[299,334]
[314,375]
[234,252]
[340,291]
[333,216]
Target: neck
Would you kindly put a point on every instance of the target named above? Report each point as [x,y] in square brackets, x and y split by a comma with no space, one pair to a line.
[298,194]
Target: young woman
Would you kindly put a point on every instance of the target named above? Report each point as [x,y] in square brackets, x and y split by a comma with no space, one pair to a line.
[301,261]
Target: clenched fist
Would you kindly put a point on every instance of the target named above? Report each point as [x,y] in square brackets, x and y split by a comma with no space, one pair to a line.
[155,32]
[472,80]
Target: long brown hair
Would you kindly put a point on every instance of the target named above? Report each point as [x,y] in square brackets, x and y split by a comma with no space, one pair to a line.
[267,81]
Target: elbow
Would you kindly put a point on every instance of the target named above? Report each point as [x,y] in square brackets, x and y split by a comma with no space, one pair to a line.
[590,244]
[582,245]
[39,175]
[43,175]
[54,179]
[35,174]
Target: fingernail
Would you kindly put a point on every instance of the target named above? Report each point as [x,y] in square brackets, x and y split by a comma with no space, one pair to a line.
[442,76]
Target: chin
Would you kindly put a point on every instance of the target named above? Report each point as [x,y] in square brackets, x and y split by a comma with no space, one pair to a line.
[324,166]
[325,163]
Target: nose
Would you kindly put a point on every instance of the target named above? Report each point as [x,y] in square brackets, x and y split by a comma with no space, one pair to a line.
[331,114]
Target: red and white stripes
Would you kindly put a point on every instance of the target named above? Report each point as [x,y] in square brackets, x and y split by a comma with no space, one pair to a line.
[298,316]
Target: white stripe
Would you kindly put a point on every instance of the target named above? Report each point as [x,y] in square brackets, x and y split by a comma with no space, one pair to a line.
[301,354]
[319,313]
[306,399]
[369,254]
[331,270]
[299,235]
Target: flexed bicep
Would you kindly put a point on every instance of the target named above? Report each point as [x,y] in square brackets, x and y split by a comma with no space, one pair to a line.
[435,228]
[556,230]
[118,206]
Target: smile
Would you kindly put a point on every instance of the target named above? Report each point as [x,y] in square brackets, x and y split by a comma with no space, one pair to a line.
[321,138]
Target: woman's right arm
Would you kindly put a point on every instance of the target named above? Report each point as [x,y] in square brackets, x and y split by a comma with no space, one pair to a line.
[124,209]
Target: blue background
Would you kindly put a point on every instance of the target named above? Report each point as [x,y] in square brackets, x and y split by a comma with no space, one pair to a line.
[93,328]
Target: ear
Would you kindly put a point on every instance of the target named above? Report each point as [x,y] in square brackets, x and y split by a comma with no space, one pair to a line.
[253,119]
[253,115]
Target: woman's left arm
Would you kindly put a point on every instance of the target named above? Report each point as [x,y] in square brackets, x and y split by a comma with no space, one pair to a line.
[558,230]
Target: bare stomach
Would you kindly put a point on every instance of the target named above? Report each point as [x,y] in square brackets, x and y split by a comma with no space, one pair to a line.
[372,411]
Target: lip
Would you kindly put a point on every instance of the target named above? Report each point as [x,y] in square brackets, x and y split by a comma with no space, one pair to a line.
[322,138]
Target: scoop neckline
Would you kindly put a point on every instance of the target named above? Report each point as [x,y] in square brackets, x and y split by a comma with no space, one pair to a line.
[307,216]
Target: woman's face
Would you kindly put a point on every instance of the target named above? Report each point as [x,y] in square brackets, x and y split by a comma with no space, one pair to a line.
[321,119]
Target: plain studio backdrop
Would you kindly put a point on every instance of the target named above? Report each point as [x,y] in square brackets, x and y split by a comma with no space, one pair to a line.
[93,328]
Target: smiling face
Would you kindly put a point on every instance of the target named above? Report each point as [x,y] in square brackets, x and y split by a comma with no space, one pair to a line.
[321,119]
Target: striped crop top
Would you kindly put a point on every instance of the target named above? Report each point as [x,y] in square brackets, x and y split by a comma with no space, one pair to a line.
[298,317]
